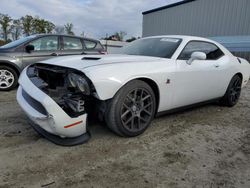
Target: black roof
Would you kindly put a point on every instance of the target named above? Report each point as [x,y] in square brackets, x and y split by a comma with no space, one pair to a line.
[168,6]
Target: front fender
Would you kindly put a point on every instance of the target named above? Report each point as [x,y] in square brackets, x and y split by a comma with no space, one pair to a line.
[15,62]
[108,79]
[107,88]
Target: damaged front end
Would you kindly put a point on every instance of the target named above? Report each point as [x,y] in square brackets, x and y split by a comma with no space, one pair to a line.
[57,100]
[69,88]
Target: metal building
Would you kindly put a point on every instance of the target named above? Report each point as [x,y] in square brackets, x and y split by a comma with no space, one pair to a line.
[199,17]
[206,18]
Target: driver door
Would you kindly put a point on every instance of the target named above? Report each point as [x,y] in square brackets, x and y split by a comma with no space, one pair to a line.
[202,80]
[44,48]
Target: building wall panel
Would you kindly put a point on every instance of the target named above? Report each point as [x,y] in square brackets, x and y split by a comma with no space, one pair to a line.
[201,18]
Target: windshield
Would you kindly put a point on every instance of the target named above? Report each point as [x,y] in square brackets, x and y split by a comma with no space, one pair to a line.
[18,42]
[157,47]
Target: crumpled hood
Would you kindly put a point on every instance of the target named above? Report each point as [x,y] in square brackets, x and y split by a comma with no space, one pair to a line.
[83,61]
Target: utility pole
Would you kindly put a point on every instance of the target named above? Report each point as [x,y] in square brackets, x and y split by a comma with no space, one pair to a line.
[106,45]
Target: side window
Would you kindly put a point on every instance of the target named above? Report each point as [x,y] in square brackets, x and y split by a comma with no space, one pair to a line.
[45,43]
[211,50]
[71,43]
[90,44]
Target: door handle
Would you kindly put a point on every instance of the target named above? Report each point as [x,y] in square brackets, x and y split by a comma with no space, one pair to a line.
[216,66]
[54,54]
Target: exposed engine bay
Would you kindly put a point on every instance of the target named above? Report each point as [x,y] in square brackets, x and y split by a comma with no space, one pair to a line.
[69,88]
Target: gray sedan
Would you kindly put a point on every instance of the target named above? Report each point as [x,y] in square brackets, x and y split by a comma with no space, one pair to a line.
[25,51]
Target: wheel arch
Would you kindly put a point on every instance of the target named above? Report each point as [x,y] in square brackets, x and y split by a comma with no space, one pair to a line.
[11,65]
[106,89]
[151,83]
[155,89]
[240,75]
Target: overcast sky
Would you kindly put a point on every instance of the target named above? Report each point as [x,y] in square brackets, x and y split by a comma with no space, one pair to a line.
[94,17]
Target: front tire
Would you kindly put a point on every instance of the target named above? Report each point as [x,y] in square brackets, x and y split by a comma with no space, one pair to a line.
[233,92]
[132,109]
[8,78]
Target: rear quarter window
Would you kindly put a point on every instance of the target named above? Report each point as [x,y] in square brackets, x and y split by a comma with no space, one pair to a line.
[90,44]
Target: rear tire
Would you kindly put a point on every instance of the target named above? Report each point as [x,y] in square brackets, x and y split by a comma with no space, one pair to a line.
[233,92]
[8,78]
[132,109]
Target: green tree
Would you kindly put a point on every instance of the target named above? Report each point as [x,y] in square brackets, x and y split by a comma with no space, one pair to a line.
[42,26]
[27,22]
[49,26]
[16,29]
[5,22]
[69,28]
[38,25]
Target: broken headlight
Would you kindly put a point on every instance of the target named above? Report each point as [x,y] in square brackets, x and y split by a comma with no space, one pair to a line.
[80,82]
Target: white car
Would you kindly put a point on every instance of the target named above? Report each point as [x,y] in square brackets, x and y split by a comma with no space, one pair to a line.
[153,76]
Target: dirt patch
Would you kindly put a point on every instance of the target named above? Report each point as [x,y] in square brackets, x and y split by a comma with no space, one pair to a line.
[207,146]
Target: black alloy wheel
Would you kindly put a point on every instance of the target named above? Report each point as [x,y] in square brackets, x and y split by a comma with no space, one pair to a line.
[132,109]
[233,92]
[137,110]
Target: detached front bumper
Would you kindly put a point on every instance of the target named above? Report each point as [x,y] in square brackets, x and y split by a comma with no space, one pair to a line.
[48,118]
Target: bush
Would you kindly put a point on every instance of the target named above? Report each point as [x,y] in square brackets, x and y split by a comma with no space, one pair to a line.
[2,42]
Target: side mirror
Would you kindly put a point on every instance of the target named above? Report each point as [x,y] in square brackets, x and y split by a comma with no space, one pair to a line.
[29,48]
[197,56]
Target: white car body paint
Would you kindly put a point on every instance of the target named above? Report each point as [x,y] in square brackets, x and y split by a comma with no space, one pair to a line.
[56,119]
[189,84]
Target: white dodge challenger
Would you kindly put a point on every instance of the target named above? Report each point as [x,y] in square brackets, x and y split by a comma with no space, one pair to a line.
[151,76]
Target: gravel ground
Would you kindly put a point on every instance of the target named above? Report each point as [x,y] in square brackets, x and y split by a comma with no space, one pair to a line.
[203,147]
